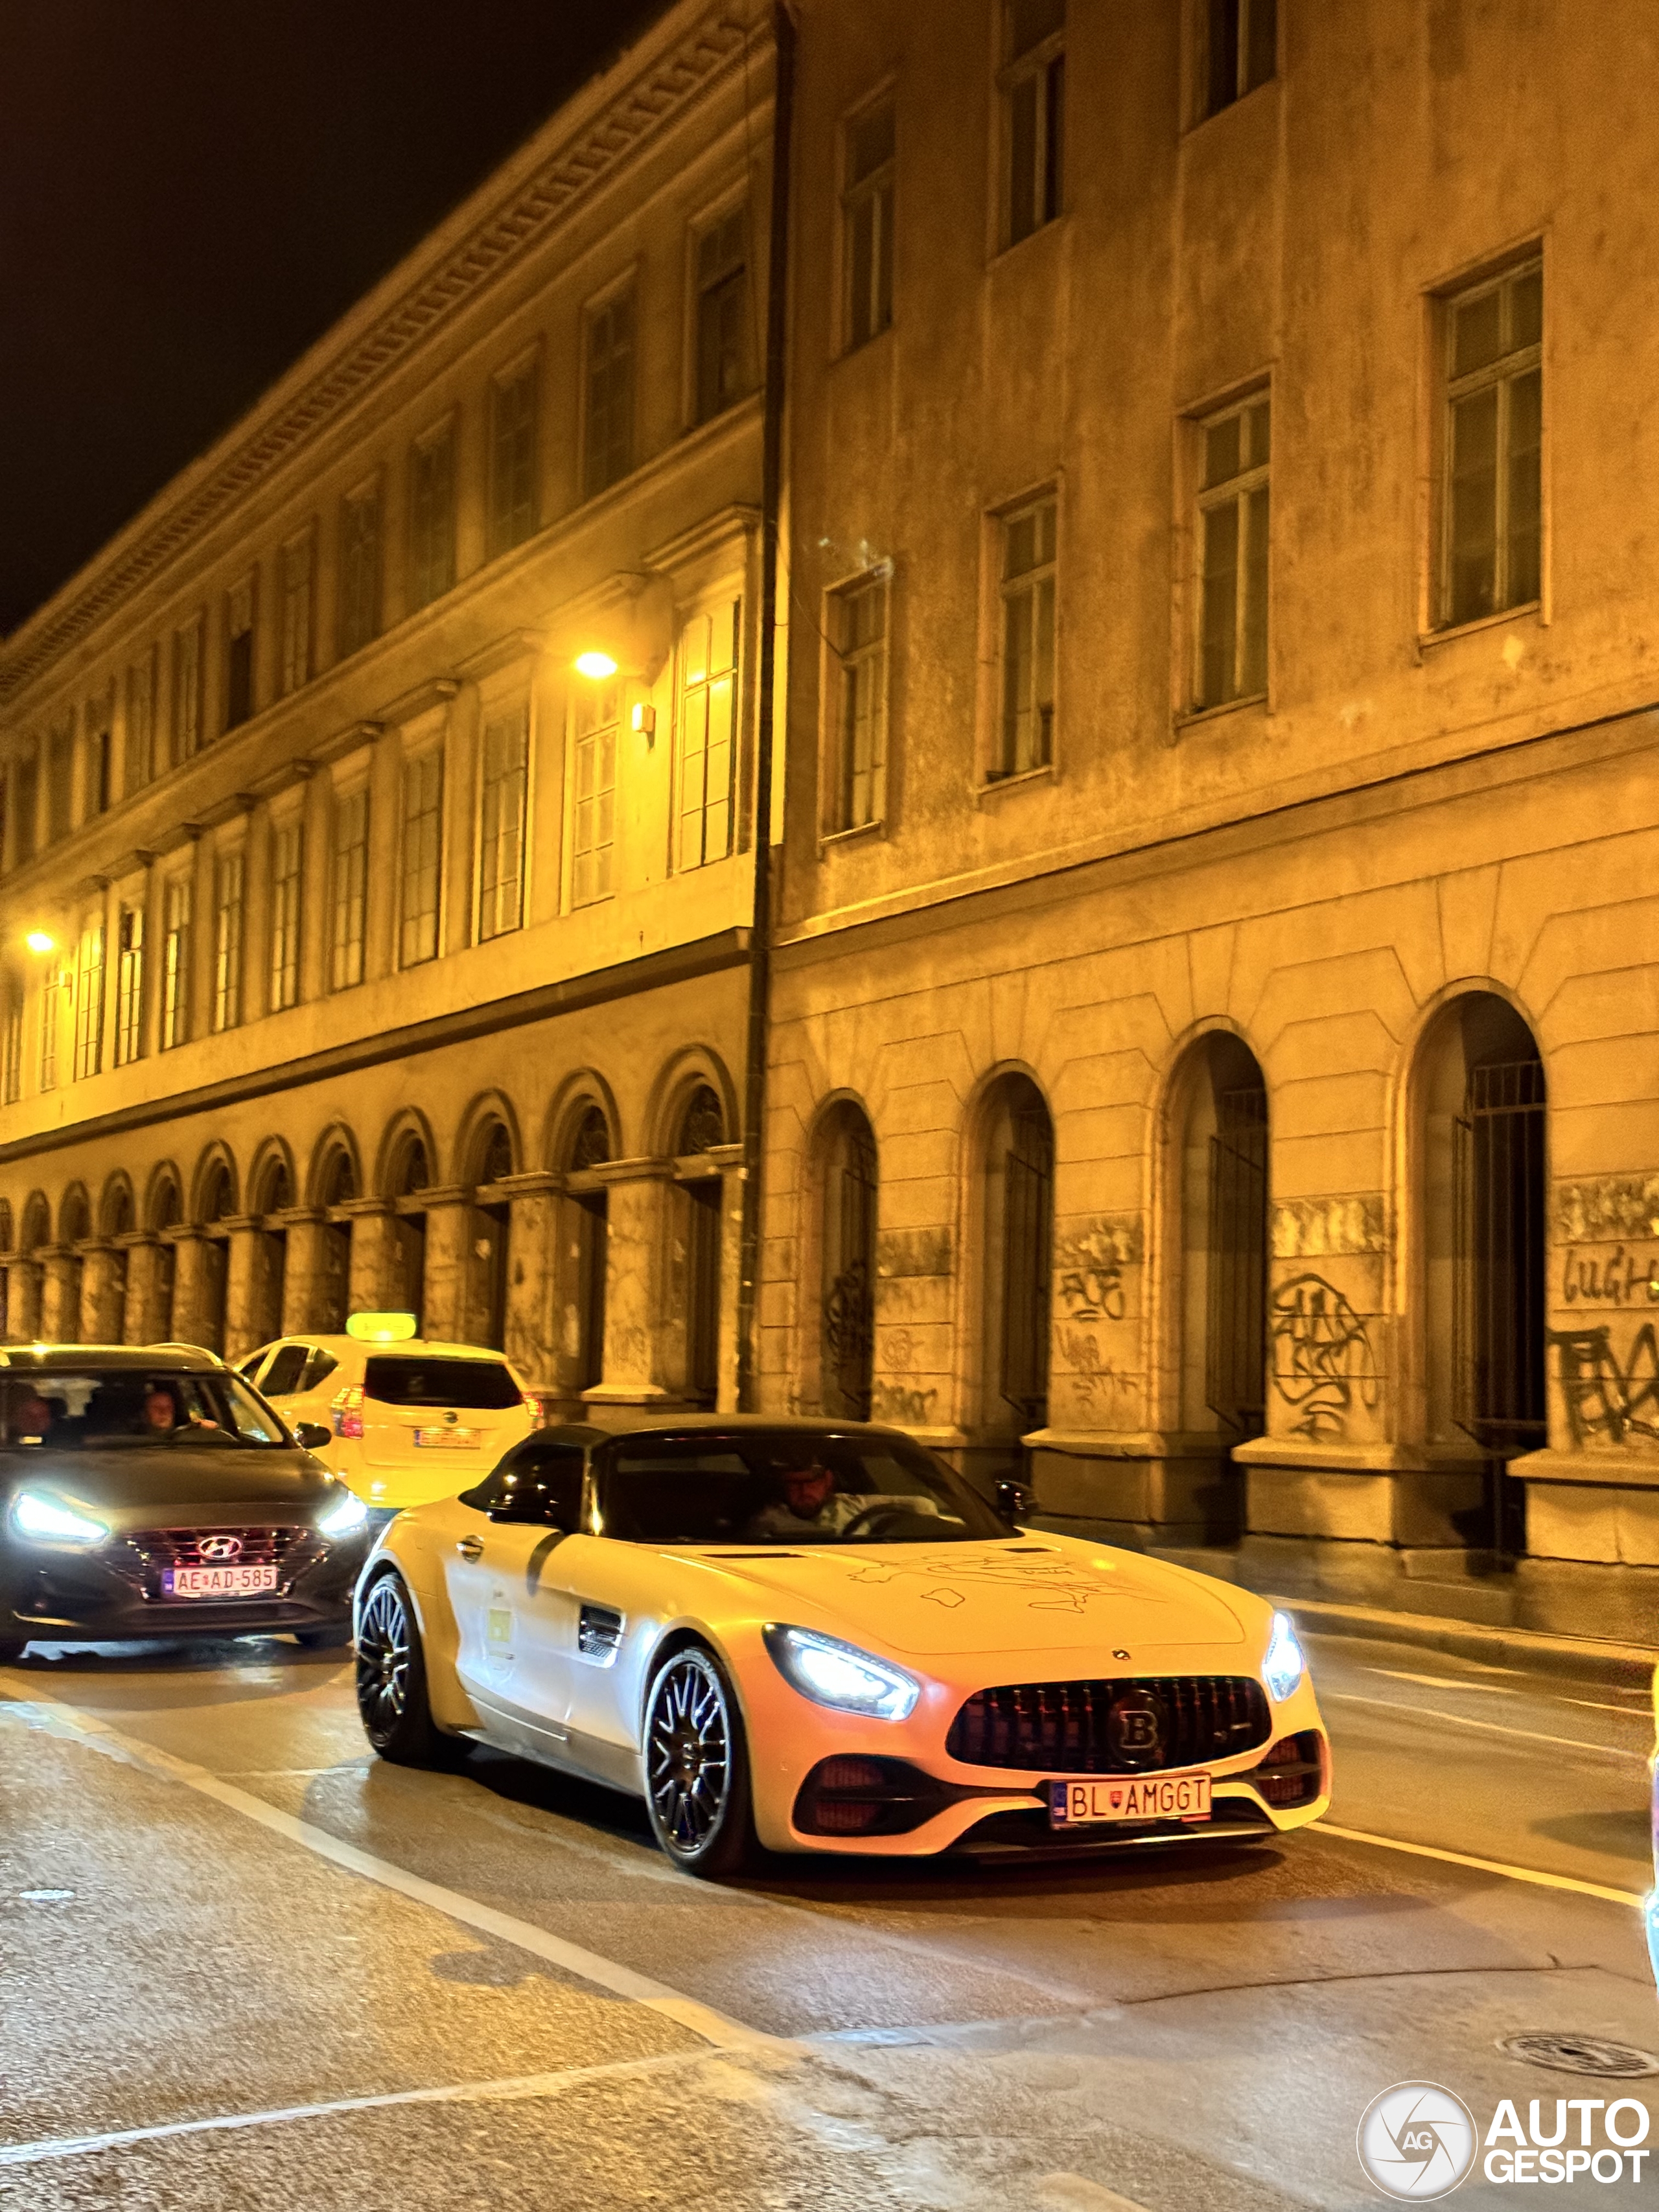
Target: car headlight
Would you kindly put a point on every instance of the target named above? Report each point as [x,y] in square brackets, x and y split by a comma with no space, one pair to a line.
[346,1518]
[49,1521]
[840,1675]
[1284,1666]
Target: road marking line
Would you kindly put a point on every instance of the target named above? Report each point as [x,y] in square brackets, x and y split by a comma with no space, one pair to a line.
[1490,1728]
[701,2020]
[1447,1683]
[1641,1712]
[510,2086]
[1484,1866]
[1075,2192]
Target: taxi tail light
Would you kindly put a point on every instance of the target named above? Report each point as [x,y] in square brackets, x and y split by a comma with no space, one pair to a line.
[347,1412]
[533,1406]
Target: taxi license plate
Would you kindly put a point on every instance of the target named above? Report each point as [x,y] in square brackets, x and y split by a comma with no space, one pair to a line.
[1097,1800]
[465,1438]
[218,1582]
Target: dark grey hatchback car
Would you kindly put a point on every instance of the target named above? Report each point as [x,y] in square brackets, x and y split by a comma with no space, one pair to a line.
[151,1493]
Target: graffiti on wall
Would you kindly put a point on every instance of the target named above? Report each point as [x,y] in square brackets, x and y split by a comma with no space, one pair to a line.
[1089,1260]
[1097,1384]
[1607,1400]
[1619,1278]
[903,1404]
[1322,1363]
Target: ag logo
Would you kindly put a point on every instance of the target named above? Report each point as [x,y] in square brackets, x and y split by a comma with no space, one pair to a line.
[1417,2141]
[1135,1728]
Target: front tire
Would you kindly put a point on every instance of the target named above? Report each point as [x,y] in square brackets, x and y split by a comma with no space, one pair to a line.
[697,1766]
[392,1696]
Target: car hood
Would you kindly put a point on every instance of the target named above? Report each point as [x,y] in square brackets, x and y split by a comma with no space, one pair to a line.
[1053,1595]
[183,1482]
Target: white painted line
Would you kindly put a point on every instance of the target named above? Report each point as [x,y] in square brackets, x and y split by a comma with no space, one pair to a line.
[1075,2192]
[464,2093]
[1533,1874]
[1488,1728]
[701,2020]
[1643,1712]
[1447,1682]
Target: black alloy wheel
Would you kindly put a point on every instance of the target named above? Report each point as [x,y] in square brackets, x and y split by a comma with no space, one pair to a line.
[697,1766]
[391,1679]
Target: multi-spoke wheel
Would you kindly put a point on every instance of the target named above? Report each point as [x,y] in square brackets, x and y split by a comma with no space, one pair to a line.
[697,1766]
[391,1679]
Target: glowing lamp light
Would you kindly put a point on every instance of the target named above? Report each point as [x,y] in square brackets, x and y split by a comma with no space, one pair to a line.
[38,940]
[599,666]
[382,1327]
[1284,1665]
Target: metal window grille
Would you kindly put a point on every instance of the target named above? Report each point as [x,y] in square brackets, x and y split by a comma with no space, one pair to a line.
[1499,1255]
[849,1300]
[702,1319]
[1028,1207]
[1235,1333]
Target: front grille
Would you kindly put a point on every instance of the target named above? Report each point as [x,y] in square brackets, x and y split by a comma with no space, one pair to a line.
[1135,1724]
[182,1547]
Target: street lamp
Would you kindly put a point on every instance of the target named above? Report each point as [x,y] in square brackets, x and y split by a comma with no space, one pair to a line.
[597,667]
[39,940]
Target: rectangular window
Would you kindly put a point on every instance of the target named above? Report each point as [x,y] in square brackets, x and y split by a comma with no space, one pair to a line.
[294,659]
[608,423]
[100,763]
[238,655]
[286,858]
[1241,50]
[502,789]
[177,911]
[11,1047]
[422,851]
[861,645]
[28,807]
[432,517]
[187,691]
[129,984]
[89,1004]
[1232,542]
[512,503]
[140,754]
[1033,114]
[360,570]
[227,941]
[1026,730]
[722,314]
[866,223]
[57,991]
[708,720]
[598,711]
[1493,439]
[350,867]
[60,784]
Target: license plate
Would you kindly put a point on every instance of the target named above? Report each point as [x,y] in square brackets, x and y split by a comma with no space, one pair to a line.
[1129,1797]
[218,1582]
[465,1438]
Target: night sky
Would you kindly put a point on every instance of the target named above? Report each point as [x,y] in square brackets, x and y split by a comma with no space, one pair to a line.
[193,191]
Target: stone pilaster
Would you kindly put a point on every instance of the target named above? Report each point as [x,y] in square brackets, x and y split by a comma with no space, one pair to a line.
[532,1277]
[193,1264]
[252,1311]
[24,1283]
[148,1300]
[373,1252]
[103,1293]
[729,1158]
[309,1289]
[445,1300]
[641,1366]
[60,1300]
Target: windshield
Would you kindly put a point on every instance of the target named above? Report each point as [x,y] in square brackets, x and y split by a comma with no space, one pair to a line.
[476,1386]
[779,1486]
[129,1408]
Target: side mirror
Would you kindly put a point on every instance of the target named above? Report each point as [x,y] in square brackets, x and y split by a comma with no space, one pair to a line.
[525,1512]
[312,1436]
[1015,1499]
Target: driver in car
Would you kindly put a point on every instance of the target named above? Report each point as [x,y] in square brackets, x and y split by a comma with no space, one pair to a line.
[161,1411]
[807,1505]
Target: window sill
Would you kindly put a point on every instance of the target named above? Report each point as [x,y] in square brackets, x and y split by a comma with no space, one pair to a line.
[994,786]
[1231,107]
[854,349]
[1013,246]
[828,837]
[1196,717]
[1531,609]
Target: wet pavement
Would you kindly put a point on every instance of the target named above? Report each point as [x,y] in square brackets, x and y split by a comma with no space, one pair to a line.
[245,1964]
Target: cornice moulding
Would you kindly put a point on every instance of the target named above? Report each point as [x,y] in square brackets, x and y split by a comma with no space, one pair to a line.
[436,691]
[500,653]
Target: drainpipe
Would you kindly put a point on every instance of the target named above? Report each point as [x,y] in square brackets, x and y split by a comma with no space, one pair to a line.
[760,939]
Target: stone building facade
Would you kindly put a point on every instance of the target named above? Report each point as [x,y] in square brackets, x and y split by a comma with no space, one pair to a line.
[1214,1045]
[381,958]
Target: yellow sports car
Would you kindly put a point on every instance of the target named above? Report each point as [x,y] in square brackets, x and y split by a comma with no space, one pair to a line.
[817,1637]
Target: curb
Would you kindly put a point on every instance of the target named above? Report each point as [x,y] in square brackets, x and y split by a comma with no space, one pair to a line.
[1618,1665]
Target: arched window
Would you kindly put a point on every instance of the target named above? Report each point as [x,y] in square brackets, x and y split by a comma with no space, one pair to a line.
[218,1204]
[74,1227]
[167,1211]
[587,1253]
[1220,1190]
[118,1221]
[271,1257]
[337,1185]
[1018,1216]
[848,1245]
[411,1174]
[702,1124]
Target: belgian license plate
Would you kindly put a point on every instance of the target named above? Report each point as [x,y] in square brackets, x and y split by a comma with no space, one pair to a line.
[218,1582]
[439,1439]
[1097,1800]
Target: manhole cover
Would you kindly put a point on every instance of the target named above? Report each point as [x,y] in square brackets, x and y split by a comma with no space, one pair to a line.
[1579,2054]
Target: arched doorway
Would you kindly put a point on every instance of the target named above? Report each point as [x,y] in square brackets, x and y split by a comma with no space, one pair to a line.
[1222,1172]
[1018,1216]
[74,1228]
[848,1238]
[218,1204]
[492,1238]
[118,1223]
[166,1213]
[587,1255]
[411,1174]
[336,1187]
[703,1125]
[1482,1104]
[269,1285]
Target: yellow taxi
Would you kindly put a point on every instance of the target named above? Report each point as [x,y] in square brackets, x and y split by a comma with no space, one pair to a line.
[409,1420]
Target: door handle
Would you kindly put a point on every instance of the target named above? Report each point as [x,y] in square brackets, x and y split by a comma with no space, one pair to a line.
[470,1546]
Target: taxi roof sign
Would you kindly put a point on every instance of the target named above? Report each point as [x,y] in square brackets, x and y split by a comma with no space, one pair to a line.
[382,1327]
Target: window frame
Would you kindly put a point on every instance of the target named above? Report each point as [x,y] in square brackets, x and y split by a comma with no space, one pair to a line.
[184,734]
[296,612]
[604,884]
[241,621]
[178,925]
[138,733]
[996,771]
[1203,498]
[359,607]
[622,293]
[1037,62]
[11,1043]
[442,437]
[130,920]
[711,608]
[88,1021]
[501,533]
[509,891]
[1203,34]
[839,599]
[348,886]
[878,188]
[229,932]
[704,226]
[1446,390]
[284,911]
[416,761]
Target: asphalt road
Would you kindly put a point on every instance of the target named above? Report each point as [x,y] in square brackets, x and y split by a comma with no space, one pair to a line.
[243,1965]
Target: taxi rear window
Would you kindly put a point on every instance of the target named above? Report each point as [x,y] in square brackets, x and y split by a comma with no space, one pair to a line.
[483,1386]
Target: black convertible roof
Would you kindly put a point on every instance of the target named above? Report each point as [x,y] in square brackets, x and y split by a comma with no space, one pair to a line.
[112,1358]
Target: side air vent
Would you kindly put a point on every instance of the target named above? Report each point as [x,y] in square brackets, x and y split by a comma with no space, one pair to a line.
[599,1633]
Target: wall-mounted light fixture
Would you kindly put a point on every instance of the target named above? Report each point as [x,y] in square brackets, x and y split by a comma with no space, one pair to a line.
[38,940]
[644,720]
[597,667]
